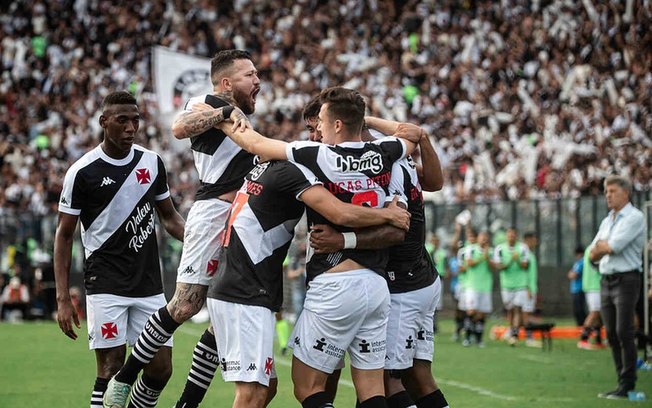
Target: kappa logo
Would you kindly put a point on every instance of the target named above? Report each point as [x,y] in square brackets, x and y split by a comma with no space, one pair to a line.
[252,367]
[297,341]
[106,181]
[143,177]
[64,201]
[188,271]
[109,330]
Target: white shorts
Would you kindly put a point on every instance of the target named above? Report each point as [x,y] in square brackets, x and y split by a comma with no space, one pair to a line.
[409,314]
[513,298]
[116,320]
[461,298]
[530,303]
[202,240]
[245,341]
[343,311]
[593,302]
[478,301]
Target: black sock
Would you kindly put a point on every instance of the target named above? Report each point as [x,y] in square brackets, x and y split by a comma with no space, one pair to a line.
[433,400]
[98,391]
[374,402]
[598,336]
[317,400]
[146,392]
[400,400]
[586,332]
[459,324]
[202,371]
[479,329]
[468,327]
[155,334]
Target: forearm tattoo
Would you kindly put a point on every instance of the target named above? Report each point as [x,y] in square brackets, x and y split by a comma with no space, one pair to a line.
[194,123]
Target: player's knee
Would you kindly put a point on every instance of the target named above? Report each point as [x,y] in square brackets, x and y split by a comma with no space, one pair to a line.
[183,311]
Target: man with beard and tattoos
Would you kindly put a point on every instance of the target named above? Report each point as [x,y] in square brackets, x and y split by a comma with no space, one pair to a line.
[221,165]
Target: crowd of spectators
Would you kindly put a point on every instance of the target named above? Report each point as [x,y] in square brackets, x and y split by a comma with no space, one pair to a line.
[523,98]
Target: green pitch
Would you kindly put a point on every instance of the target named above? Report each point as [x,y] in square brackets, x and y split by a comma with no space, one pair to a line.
[41,367]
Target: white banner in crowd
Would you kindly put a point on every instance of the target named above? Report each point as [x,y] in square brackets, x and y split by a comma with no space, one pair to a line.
[177,78]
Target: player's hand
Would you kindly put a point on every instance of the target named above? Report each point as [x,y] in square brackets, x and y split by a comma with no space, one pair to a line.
[240,120]
[325,240]
[399,217]
[66,316]
[409,132]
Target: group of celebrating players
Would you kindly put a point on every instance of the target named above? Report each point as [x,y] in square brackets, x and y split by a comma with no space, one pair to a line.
[372,288]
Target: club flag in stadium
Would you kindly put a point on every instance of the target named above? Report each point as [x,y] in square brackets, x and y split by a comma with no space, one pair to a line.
[178,77]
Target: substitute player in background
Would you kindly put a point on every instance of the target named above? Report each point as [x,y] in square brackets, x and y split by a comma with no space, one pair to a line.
[221,165]
[359,173]
[479,286]
[114,190]
[248,287]
[511,259]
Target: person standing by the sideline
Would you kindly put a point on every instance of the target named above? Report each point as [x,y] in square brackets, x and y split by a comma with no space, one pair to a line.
[618,248]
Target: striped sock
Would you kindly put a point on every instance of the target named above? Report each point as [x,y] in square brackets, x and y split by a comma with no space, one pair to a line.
[98,391]
[202,371]
[155,334]
[145,393]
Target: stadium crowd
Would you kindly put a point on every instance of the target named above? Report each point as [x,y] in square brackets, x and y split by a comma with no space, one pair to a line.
[525,99]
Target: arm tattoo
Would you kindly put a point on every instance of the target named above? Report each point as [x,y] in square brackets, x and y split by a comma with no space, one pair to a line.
[195,123]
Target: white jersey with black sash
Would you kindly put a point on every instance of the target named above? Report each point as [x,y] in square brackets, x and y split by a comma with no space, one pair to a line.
[357,173]
[115,201]
[221,164]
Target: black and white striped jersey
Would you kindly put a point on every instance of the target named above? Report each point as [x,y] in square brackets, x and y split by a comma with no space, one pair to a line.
[115,201]
[221,164]
[409,267]
[355,172]
[259,230]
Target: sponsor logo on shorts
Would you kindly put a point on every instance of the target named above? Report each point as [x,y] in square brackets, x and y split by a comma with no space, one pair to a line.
[297,341]
[391,275]
[233,365]
[329,349]
[408,342]
[319,344]
[269,363]
[364,347]
[420,335]
[109,331]
[252,367]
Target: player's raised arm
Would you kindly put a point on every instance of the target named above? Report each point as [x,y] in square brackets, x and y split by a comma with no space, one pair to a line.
[255,143]
[430,172]
[66,313]
[410,133]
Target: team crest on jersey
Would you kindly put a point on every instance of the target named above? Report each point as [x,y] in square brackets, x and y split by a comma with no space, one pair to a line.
[269,364]
[257,171]
[370,161]
[143,176]
[109,331]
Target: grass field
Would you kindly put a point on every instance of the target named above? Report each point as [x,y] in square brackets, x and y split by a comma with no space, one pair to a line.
[41,367]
